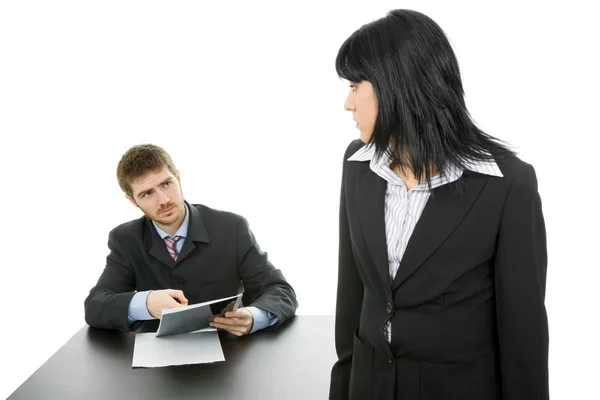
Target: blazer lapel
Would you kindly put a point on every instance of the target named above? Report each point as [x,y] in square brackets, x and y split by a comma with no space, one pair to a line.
[156,246]
[370,195]
[196,233]
[444,210]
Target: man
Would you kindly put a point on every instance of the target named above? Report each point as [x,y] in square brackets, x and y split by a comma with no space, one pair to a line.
[179,254]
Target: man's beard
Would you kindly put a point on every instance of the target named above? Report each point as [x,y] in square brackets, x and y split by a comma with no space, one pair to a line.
[166,220]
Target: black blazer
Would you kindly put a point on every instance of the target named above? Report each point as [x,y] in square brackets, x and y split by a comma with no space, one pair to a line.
[219,251]
[467,303]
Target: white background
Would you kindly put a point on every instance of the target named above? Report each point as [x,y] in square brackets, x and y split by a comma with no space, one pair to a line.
[245,97]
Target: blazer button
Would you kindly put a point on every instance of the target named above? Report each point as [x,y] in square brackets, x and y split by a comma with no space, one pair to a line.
[390,358]
[389,308]
[181,283]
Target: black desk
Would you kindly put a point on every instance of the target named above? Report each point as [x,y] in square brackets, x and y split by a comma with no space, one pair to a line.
[292,363]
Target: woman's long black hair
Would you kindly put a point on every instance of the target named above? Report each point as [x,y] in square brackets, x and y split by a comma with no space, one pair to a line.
[422,115]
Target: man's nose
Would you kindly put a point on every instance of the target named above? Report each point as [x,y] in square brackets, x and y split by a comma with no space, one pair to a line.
[162,197]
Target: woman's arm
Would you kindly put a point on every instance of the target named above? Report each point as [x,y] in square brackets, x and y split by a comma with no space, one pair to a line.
[349,303]
[520,280]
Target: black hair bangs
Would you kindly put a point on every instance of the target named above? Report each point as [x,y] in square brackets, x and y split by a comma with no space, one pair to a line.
[349,63]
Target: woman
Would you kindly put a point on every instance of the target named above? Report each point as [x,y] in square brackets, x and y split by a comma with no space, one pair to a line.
[442,263]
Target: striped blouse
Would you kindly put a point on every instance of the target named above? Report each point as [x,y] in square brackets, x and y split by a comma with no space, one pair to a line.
[403,208]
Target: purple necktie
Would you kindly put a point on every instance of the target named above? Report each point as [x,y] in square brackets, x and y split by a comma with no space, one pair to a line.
[170,242]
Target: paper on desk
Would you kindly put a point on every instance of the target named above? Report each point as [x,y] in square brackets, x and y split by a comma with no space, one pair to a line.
[191,348]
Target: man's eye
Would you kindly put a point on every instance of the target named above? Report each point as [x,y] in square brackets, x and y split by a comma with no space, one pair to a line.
[167,183]
[147,194]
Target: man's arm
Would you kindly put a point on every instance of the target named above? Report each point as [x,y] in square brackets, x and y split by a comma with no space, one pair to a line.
[520,281]
[137,308]
[265,286]
[107,304]
[114,304]
[261,319]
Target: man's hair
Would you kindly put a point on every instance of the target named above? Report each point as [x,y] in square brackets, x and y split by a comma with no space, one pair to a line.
[140,160]
[421,109]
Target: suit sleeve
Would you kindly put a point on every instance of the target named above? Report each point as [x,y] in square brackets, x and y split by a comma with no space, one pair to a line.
[520,282]
[265,286]
[108,302]
[348,303]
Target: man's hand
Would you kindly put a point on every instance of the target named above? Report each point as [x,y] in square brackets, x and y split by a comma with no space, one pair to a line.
[159,300]
[237,322]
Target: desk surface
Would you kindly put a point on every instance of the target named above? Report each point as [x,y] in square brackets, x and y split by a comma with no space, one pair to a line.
[293,362]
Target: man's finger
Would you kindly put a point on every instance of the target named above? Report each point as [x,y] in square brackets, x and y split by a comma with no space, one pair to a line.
[231,329]
[172,304]
[178,294]
[230,321]
[237,314]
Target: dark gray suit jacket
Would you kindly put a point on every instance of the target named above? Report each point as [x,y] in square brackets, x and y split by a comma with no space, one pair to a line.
[219,251]
[467,303]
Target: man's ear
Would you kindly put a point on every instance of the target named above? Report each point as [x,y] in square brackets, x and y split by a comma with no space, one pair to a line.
[132,200]
[178,177]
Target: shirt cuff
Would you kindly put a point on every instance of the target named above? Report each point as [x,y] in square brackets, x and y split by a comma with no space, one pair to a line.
[262,319]
[137,308]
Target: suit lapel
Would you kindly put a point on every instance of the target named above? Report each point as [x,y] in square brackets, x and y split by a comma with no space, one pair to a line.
[156,246]
[196,233]
[443,212]
[370,195]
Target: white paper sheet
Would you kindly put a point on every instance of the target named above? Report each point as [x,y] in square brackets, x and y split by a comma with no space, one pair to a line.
[191,348]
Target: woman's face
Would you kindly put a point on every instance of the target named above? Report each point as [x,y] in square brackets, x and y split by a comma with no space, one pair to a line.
[363,103]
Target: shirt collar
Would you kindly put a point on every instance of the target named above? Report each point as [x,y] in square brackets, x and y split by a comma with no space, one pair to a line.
[367,153]
[182,231]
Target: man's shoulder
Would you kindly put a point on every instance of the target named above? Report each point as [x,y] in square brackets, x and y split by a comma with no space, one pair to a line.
[213,215]
[134,227]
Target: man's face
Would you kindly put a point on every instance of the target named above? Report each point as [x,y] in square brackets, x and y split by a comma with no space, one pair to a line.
[158,194]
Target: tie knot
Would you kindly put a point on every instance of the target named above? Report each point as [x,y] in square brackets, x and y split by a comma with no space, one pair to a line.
[174,239]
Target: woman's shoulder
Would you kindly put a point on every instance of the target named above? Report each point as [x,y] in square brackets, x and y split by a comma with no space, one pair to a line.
[353,147]
[517,171]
